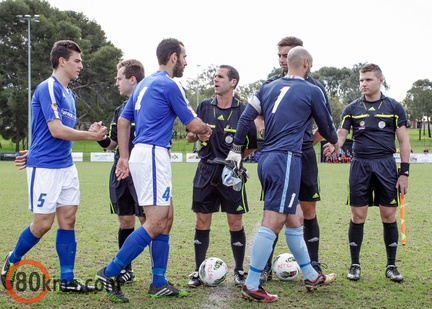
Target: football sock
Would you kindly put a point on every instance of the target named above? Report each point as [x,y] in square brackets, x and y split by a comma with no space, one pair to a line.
[311,236]
[66,250]
[122,235]
[261,249]
[270,259]
[238,246]
[391,238]
[201,244]
[297,246]
[159,251]
[25,242]
[132,247]
[355,238]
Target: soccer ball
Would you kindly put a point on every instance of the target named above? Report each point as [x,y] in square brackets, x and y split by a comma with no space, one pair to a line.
[213,271]
[285,267]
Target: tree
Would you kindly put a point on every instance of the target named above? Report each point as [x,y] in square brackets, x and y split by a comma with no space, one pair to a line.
[342,83]
[336,108]
[419,101]
[97,96]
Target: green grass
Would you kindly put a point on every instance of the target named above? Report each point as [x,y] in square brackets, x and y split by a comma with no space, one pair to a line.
[97,245]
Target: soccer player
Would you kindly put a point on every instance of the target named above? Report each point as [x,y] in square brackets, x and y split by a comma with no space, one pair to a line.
[209,193]
[374,180]
[309,186]
[288,106]
[123,197]
[51,174]
[154,105]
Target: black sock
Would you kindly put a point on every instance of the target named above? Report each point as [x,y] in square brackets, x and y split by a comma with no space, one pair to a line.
[270,260]
[238,245]
[122,235]
[391,238]
[355,238]
[311,234]
[201,244]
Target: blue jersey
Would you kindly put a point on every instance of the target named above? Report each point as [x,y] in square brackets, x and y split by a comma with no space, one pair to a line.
[154,105]
[288,106]
[309,137]
[51,101]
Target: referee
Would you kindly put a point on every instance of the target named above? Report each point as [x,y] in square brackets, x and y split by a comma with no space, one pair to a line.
[374,180]
[222,112]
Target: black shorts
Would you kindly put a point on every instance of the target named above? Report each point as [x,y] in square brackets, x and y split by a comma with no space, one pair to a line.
[372,182]
[211,195]
[309,186]
[124,201]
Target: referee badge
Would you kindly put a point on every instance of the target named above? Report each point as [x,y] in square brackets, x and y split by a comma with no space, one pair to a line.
[229,139]
[381,124]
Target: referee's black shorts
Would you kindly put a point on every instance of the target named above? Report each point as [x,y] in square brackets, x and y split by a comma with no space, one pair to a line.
[372,182]
[124,201]
[309,185]
[211,195]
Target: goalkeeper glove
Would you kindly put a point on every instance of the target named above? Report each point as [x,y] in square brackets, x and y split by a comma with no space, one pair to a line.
[235,155]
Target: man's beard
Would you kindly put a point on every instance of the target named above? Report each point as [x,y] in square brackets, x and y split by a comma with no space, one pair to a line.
[178,69]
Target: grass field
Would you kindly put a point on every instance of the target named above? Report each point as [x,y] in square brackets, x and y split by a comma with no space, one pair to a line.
[97,245]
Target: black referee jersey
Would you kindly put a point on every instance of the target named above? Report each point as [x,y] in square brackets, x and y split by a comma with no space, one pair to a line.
[224,124]
[374,125]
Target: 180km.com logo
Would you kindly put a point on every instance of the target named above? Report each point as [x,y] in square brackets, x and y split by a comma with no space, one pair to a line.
[28,281]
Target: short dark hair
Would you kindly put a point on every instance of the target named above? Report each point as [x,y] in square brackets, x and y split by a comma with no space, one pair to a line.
[232,73]
[290,41]
[371,67]
[62,49]
[166,48]
[132,67]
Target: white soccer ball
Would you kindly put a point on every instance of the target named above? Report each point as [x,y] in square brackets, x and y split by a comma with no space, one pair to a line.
[285,267]
[213,271]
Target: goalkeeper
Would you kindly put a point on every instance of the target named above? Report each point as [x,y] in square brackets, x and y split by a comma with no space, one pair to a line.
[287,105]
[210,195]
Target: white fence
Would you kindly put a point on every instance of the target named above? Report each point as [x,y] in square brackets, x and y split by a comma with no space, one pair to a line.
[109,157]
[193,157]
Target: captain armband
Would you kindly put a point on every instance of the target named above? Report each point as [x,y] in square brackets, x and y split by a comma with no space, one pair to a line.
[105,142]
[404,169]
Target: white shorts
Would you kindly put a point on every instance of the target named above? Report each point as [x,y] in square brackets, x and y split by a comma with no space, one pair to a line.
[150,167]
[50,188]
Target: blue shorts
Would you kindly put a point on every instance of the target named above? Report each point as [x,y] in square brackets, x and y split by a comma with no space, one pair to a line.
[280,174]
[373,182]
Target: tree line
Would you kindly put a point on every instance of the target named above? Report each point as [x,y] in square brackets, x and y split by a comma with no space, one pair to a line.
[95,88]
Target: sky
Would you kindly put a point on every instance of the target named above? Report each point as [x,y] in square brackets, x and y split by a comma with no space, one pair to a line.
[244,34]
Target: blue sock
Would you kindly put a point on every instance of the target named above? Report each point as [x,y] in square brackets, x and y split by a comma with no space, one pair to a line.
[25,242]
[159,251]
[66,250]
[261,248]
[132,247]
[297,246]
